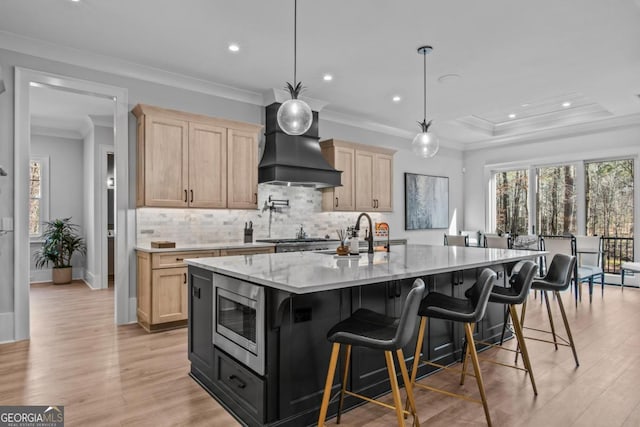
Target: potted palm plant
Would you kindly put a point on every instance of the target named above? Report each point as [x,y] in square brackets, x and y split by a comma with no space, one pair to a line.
[61,241]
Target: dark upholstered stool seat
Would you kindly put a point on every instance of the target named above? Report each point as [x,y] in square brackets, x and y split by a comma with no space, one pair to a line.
[440,306]
[366,328]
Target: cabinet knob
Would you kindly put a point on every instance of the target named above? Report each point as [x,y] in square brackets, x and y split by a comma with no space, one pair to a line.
[179,259]
[255,198]
[185,196]
[337,202]
[191,196]
[185,277]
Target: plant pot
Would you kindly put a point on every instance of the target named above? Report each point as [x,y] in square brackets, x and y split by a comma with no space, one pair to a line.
[61,276]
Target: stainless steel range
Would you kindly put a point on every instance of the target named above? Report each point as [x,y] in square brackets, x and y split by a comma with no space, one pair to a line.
[307,244]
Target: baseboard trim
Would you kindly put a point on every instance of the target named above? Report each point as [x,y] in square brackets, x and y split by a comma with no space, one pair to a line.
[7,327]
[39,276]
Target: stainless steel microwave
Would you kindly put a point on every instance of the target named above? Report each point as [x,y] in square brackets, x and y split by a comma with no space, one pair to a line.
[239,320]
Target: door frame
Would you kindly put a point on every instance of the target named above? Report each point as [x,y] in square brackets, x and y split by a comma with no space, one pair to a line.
[125,217]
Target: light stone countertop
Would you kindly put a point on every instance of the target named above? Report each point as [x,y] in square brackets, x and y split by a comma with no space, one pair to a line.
[307,272]
[205,247]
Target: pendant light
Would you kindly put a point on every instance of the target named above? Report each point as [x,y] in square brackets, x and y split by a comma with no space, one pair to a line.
[294,115]
[425,144]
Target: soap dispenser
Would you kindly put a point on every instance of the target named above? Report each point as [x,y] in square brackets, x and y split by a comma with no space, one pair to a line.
[354,244]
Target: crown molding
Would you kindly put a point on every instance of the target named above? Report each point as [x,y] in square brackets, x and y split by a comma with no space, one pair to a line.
[108,64]
[359,122]
[602,125]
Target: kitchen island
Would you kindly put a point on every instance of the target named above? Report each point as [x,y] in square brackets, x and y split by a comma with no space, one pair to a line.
[258,323]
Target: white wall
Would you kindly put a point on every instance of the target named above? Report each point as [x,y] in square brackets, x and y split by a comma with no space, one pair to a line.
[66,195]
[612,143]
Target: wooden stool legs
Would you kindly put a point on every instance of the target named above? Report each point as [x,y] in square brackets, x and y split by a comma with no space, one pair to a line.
[326,396]
[471,351]
[393,379]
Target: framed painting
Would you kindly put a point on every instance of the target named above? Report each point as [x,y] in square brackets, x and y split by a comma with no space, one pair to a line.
[426,201]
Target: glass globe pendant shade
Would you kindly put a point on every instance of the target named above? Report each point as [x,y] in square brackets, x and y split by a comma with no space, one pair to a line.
[295,117]
[425,144]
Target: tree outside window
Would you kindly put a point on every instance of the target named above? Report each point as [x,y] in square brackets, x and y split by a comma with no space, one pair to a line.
[512,206]
[556,200]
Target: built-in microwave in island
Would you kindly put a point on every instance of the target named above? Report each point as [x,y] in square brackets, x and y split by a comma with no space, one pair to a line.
[238,321]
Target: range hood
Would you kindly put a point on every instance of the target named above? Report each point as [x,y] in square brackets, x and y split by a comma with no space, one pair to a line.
[294,160]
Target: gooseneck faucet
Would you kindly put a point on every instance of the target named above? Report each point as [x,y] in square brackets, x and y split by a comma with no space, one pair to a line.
[369,238]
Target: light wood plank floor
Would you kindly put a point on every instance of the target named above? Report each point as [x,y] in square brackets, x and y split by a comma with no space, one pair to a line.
[108,375]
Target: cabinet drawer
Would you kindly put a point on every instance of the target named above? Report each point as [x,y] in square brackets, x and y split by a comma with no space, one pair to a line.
[246,251]
[243,387]
[176,259]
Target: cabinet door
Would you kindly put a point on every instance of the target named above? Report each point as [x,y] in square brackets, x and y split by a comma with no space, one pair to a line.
[201,322]
[364,181]
[243,170]
[344,199]
[383,183]
[166,162]
[207,166]
[169,295]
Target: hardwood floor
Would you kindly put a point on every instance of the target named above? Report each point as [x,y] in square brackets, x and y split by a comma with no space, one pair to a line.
[108,375]
[103,374]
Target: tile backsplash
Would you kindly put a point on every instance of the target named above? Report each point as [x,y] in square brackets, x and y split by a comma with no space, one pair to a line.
[195,226]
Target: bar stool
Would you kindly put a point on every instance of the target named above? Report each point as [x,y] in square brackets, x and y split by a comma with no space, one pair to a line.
[558,278]
[369,329]
[464,310]
[521,282]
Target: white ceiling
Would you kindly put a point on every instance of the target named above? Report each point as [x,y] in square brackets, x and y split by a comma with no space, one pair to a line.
[507,53]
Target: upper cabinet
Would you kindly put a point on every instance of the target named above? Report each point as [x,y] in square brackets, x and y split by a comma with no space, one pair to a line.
[188,160]
[367,177]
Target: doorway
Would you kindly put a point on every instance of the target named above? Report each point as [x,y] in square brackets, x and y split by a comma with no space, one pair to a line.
[124,219]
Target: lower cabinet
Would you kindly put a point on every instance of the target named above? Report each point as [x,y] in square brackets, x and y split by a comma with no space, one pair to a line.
[162,288]
[298,352]
[201,324]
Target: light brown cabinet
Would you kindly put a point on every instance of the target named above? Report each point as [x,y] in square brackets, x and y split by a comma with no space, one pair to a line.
[367,177]
[189,160]
[242,163]
[162,288]
[163,285]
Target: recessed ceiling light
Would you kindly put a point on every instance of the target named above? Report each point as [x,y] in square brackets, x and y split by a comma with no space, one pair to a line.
[76,1]
[566,104]
[512,116]
[524,105]
[396,99]
[234,47]
[327,77]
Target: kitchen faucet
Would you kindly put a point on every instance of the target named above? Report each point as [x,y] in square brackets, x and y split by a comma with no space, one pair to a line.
[369,238]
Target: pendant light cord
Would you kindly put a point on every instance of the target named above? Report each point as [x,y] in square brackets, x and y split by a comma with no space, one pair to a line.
[295,39]
[425,86]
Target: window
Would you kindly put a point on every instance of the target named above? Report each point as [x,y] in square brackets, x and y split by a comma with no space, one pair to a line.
[609,198]
[512,207]
[556,200]
[38,195]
